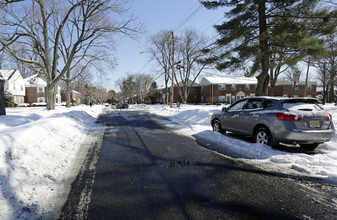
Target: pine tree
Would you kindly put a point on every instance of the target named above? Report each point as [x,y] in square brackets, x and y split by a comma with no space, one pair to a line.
[264,35]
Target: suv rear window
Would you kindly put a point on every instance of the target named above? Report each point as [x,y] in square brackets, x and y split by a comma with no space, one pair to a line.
[301,105]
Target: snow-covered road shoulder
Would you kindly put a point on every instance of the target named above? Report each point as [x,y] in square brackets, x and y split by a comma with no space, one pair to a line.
[38,149]
[194,121]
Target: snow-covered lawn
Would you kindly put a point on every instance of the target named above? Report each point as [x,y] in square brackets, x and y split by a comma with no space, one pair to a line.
[40,151]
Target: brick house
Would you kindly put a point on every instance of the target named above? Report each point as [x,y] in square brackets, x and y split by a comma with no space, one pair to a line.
[36,91]
[14,84]
[214,90]
[286,88]
[226,89]
[193,93]
[74,96]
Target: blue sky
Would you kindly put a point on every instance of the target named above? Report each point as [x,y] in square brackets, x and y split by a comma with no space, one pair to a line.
[157,15]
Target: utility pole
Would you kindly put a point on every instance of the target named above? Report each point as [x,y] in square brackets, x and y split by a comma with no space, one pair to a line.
[306,80]
[172,87]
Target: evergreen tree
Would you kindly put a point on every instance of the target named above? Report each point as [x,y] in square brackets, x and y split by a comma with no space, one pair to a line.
[264,35]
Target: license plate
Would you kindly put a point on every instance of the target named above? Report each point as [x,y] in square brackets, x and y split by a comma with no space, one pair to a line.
[314,124]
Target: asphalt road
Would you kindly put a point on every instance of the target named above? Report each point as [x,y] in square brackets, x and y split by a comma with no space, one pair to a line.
[145,171]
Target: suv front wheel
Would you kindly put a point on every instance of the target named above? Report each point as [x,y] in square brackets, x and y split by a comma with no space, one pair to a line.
[263,136]
[217,127]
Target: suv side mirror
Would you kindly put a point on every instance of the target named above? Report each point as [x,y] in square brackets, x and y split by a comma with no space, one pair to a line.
[224,109]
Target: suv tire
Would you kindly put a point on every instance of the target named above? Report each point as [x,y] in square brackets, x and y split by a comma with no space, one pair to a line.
[217,127]
[263,136]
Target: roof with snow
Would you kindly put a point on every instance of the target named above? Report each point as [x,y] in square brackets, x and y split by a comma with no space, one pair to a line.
[297,83]
[228,80]
[7,74]
[189,83]
[35,80]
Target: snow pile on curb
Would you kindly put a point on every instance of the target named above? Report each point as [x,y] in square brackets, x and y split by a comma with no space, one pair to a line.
[37,153]
[194,121]
[40,151]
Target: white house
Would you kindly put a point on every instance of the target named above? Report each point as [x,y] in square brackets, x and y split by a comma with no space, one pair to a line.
[14,84]
[36,91]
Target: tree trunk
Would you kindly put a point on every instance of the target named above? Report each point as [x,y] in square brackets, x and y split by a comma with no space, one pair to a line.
[272,81]
[272,87]
[51,96]
[262,79]
[332,81]
[68,94]
[331,93]
[2,96]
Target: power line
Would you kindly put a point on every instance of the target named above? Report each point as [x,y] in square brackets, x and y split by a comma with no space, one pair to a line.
[196,11]
[145,65]
[183,17]
[210,20]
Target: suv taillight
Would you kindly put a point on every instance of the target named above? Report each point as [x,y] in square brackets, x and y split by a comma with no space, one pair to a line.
[329,117]
[288,117]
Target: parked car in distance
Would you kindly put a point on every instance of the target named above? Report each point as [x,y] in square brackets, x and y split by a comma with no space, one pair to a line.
[272,120]
[122,105]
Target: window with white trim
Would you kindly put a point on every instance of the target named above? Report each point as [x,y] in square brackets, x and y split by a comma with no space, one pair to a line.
[221,86]
[310,87]
[221,98]
[40,89]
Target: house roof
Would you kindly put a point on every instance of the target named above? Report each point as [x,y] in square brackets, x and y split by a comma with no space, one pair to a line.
[7,74]
[297,83]
[180,84]
[228,80]
[189,83]
[35,80]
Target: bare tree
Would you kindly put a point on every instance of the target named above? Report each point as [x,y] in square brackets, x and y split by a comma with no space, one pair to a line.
[6,2]
[327,69]
[94,53]
[189,48]
[81,81]
[143,86]
[160,49]
[135,87]
[323,79]
[188,54]
[40,26]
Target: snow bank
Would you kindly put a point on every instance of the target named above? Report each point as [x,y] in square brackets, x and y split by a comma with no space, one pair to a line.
[38,149]
[194,121]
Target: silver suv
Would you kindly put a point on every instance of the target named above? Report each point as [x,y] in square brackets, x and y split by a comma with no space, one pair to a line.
[272,120]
